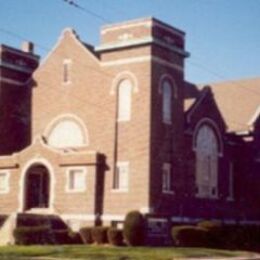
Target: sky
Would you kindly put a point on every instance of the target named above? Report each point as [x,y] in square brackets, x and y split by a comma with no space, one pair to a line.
[222,36]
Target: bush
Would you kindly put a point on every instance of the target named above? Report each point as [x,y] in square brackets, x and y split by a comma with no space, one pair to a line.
[74,238]
[215,232]
[134,228]
[60,237]
[32,235]
[65,237]
[189,236]
[115,236]
[242,237]
[99,235]
[86,236]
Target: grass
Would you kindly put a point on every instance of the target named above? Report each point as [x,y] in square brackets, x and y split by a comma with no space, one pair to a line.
[111,253]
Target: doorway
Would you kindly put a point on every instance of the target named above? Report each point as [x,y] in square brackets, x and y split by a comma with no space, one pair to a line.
[37,187]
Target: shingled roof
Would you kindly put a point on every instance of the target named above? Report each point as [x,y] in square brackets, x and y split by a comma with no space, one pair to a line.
[238,101]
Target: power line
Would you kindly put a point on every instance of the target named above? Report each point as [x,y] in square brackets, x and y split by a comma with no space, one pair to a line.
[216,74]
[85,10]
[112,75]
[48,49]
[222,77]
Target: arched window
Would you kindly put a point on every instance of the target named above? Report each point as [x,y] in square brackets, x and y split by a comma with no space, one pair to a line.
[124,100]
[167,102]
[66,133]
[206,162]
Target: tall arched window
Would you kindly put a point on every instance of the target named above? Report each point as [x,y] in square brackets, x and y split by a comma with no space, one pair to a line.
[167,102]
[124,100]
[206,162]
[67,133]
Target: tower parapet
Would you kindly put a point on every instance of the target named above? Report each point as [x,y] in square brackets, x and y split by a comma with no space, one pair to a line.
[16,69]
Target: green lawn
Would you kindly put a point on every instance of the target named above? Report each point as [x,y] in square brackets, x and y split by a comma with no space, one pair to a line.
[111,253]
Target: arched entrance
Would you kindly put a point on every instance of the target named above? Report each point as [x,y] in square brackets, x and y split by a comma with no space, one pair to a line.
[37,187]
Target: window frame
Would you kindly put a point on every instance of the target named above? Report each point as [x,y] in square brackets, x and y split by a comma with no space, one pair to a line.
[167,115]
[116,182]
[212,160]
[66,72]
[69,170]
[60,119]
[122,115]
[167,178]
[7,181]
[231,193]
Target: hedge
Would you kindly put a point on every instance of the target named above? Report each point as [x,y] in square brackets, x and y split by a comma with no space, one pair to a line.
[115,236]
[134,228]
[99,235]
[32,235]
[85,234]
[215,232]
[189,236]
[45,235]
[232,236]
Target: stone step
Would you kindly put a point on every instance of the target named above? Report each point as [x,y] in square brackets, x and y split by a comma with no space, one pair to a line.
[3,219]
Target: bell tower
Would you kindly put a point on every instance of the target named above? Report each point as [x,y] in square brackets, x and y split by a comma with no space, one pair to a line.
[16,69]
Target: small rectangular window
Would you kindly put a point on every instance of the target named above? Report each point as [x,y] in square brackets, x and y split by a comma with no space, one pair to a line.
[76,179]
[66,71]
[166,178]
[124,100]
[231,181]
[121,176]
[4,182]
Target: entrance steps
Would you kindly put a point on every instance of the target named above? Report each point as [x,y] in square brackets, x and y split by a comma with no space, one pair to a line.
[6,230]
[54,222]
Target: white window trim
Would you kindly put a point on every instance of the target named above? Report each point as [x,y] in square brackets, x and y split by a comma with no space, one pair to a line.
[7,181]
[122,190]
[209,196]
[68,170]
[120,117]
[168,167]
[167,119]
[201,194]
[64,117]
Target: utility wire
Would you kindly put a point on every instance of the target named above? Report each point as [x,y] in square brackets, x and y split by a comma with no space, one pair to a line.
[196,64]
[112,75]
[74,4]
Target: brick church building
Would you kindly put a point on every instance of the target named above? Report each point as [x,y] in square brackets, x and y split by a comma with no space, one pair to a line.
[94,132]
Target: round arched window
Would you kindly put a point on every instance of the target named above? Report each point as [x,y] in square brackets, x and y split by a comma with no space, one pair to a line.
[167,102]
[67,132]
[206,162]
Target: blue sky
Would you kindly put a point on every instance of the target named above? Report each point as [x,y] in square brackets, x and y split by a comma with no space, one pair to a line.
[223,36]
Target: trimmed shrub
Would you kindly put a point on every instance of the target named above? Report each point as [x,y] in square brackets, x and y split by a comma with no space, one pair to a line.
[115,236]
[86,236]
[32,235]
[60,237]
[74,238]
[243,237]
[215,232]
[65,237]
[189,236]
[134,228]
[99,235]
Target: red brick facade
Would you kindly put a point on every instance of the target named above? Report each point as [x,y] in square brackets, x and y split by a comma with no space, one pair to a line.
[148,53]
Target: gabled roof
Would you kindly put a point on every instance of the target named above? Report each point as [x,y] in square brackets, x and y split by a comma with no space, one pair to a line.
[69,32]
[238,101]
